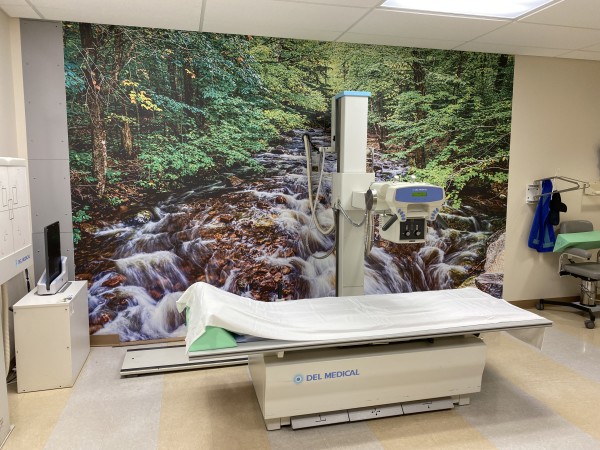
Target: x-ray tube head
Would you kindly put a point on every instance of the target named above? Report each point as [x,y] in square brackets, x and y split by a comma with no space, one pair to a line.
[406,208]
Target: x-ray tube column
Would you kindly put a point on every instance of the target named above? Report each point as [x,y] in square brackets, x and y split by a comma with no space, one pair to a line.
[349,129]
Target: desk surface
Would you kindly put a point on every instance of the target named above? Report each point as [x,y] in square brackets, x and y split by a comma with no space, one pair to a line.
[587,240]
[33,300]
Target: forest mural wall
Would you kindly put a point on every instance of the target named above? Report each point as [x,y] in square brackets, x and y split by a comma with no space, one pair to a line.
[187,165]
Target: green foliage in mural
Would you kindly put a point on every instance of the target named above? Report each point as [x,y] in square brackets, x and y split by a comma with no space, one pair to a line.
[79,217]
[446,114]
[155,109]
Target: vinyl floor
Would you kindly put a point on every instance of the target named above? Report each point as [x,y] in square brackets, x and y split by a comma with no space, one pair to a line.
[530,399]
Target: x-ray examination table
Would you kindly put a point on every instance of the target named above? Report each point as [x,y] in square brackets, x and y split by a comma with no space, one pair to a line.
[356,358]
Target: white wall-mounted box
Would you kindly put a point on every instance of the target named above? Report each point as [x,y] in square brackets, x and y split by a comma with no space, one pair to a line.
[51,338]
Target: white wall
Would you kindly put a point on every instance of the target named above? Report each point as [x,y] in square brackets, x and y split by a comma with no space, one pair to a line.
[13,141]
[555,131]
[12,109]
[8,128]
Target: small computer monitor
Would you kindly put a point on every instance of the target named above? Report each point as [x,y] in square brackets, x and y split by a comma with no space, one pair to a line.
[53,255]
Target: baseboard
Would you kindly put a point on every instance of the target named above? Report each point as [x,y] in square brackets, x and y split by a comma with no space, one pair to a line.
[529,304]
[104,340]
[152,341]
[112,340]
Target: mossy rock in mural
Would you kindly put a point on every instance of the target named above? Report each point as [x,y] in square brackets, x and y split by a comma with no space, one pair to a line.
[138,217]
[490,283]
[203,178]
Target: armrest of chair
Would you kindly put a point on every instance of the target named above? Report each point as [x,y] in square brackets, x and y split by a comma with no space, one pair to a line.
[569,253]
[578,252]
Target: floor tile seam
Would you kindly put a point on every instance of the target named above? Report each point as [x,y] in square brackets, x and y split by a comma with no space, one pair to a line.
[587,368]
[547,356]
[587,335]
[521,392]
[461,410]
[557,407]
[51,426]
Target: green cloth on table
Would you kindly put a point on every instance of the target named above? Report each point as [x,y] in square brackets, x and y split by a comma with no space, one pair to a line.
[212,339]
[587,240]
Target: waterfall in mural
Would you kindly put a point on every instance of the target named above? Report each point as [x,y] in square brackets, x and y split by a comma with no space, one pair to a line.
[187,164]
[157,250]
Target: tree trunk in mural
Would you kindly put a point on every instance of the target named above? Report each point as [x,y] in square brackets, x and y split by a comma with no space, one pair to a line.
[95,106]
[127,139]
[459,73]
[121,55]
[207,164]
[500,78]
[188,86]
[419,82]
[380,131]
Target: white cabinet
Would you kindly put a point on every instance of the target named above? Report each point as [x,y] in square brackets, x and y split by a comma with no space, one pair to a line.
[3,188]
[7,246]
[18,183]
[16,251]
[21,227]
[6,238]
[52,338]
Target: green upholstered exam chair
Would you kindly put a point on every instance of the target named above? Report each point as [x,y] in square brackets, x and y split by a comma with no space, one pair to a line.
[577,241]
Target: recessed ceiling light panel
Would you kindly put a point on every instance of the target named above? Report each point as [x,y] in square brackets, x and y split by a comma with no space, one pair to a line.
[505,9]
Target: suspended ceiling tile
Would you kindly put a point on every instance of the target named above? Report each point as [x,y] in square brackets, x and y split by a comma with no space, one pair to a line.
[398,41]
[357,3]
[580,54]
[509,49]
[424,26]
[570,13]
[173,14]
[543,36]
[23,11]
[279,19]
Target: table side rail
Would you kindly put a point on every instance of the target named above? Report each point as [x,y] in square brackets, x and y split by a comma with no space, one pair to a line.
[269,346]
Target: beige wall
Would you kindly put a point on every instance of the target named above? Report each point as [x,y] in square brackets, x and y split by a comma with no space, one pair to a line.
[555,131]
[12,110]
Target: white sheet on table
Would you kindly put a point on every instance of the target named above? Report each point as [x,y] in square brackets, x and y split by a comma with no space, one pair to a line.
[329,318]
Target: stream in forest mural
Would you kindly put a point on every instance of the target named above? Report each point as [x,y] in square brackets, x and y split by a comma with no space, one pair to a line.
[187,164]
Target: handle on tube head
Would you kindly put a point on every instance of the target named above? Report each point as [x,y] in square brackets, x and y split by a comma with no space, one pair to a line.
[390,222]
